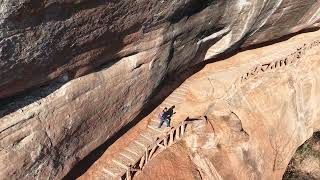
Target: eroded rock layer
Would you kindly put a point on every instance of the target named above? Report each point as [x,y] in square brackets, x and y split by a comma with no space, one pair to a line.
[42,40]
[260,123]
[101,61]
[257,112]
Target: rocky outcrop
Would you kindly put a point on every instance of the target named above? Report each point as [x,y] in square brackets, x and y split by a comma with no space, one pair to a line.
[220,145]
[258,125]
[52,38]
[256,121]
[172,163]
[100,62]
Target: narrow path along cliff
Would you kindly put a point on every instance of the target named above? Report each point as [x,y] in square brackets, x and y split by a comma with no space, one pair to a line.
[209,94]
[77,74]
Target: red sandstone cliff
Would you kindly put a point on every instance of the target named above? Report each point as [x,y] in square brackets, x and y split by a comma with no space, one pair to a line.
[101,61]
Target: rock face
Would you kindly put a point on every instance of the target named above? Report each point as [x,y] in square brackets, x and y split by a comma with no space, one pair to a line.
[172,164]
[255,121]
[42,40]
[260,125]
[102,60]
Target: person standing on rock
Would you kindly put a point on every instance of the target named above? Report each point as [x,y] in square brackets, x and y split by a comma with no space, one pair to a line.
[163,117]
[169,114]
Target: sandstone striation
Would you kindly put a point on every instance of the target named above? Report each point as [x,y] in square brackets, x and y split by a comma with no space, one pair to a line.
[260,122]
[256,126]
[93,65]
[254,121]
[42,40]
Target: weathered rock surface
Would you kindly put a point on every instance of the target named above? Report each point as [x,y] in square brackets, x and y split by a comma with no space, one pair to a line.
[259,122]
[127,47]
[260,106]
[255,121]
[43,40]
[261,119]
[172,164]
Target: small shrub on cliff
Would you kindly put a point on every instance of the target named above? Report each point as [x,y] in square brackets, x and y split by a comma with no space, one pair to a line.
[309,149]
[305,149]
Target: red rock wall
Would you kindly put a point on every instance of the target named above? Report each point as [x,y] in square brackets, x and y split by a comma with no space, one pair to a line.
[109,56]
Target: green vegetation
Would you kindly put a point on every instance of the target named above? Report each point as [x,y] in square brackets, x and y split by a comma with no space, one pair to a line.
[309,149]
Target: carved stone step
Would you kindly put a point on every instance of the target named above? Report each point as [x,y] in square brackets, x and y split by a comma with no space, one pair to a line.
[114,170]
[162,106]
[173,101]
[154,123]
[176,98]
[180,93]
[132,153]
[183,89]
[156,113]
[124,160]
[102,174]
[146,137]
[155,129]
[119,167]
[152,133]
[132,158]
[167,104]
[185,84]
[135,148]
[142,141]
[120,164]
[142,145]
[105,174]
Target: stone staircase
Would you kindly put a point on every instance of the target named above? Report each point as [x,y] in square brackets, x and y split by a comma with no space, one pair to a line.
[130,160]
